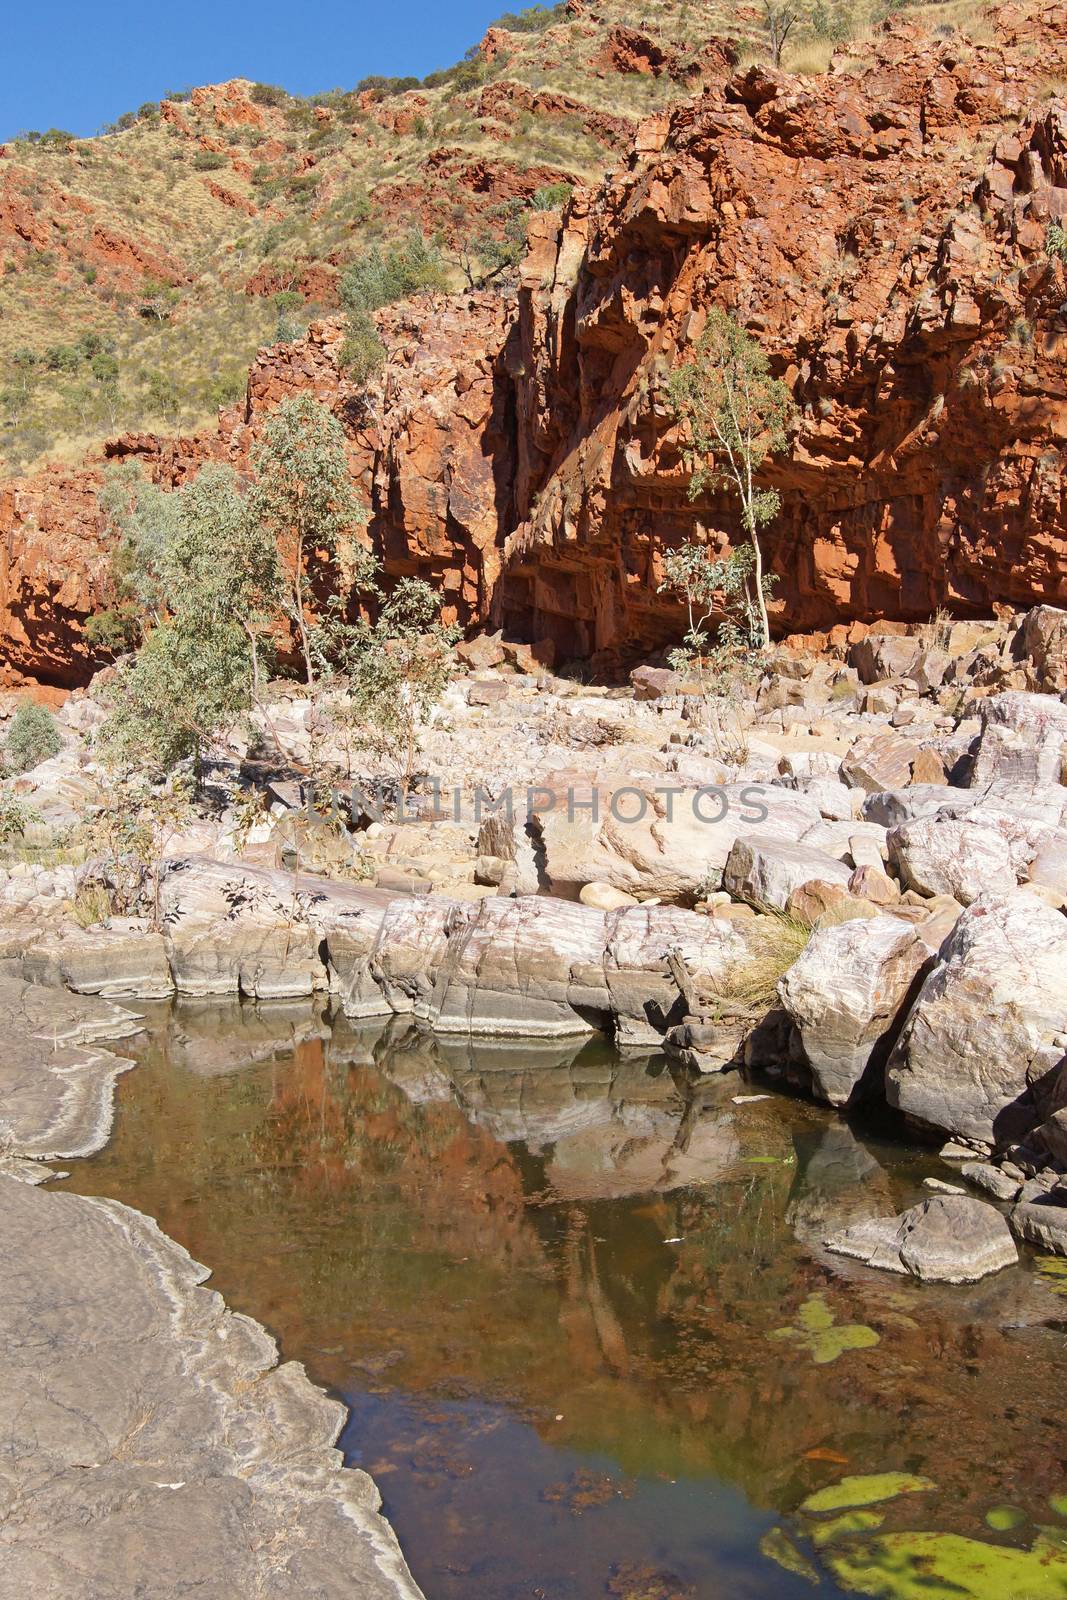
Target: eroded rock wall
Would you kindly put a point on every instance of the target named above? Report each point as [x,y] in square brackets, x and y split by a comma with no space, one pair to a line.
[884,233]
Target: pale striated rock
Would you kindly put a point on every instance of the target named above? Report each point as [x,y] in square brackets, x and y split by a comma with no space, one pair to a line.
[845,993]
[946,855]
[765,870]
[946,1239]
[157,1445]
[882,761]
[640,841]
[1042,642]
[988,1024]
[124,958]
[1023,744]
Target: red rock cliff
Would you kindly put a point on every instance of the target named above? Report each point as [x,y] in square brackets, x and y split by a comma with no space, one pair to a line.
[884,234]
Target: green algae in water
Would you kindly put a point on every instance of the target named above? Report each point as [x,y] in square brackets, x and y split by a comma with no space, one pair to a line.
[1004,1518]
[777,1546]
[946,1566]
[826,1340]
[864,1491]
[1053,1272]
[848,1523]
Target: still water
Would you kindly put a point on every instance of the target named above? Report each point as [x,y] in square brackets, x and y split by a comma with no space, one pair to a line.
[581,1315]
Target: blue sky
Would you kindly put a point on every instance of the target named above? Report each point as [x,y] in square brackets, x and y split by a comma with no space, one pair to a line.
[76,64]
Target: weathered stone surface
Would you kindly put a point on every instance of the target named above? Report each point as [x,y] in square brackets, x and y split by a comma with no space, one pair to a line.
[984,1175]
[674,845]
[946,1239]
[765,870]
[1042,642]
[883,761]
[125,958]
[945,855]
[845,993]
[989,1023]
[155,1445]
[56,1082]
[1041,1225]
[1023,745]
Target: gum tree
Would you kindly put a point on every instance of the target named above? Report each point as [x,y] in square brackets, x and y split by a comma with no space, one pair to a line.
[737,416]
[302,498]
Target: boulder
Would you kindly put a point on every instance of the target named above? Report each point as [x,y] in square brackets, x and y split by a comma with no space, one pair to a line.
[891,807]
[124,957]
[1041,1224]
[1022,745]
[604,898]
[765,871]
[1042,643]
[947,855]
[946,1239]
[652,683]
[845,993]
[671,841]
[880,761]
[881,656]
[988,1025]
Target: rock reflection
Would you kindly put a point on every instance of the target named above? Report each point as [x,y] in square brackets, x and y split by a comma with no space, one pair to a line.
[596,1251]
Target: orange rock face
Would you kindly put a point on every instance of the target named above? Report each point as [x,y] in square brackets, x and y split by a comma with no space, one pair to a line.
[885,235]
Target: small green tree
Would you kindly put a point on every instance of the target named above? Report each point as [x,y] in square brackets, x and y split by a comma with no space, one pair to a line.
[186,685]
[737,416]
[32,738]
[394,668]
[221,563]
[302,498]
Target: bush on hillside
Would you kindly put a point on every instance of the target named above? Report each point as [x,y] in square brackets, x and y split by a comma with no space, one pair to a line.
[32,738]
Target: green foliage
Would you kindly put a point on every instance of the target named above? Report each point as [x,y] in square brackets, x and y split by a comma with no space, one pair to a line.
[268,94]
[126,837]
[302,499]
[16,815]
[551,196]
[209,161]
[32,738]
[497,251]
[1056,241]
[394,668]
[187,683]
[377,279]
[534,19]
[737,415]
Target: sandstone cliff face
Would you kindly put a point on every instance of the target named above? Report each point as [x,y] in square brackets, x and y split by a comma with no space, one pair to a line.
[884,235]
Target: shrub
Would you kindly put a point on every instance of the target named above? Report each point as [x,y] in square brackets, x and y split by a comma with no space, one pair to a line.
[15,816]
[1056,240]
[32,738]
[374,280]
[268,94]
[534,19]
[208,160]
[551,197]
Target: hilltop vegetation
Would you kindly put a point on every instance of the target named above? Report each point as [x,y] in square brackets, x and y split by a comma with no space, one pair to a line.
[141,269]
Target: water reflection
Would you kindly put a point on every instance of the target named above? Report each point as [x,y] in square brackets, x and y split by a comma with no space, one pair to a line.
[551,1283]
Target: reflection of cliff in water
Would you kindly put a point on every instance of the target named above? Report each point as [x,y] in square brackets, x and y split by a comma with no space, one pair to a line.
[580,1235]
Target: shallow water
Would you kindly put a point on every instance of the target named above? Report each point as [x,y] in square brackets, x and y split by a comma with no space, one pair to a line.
[580,1311]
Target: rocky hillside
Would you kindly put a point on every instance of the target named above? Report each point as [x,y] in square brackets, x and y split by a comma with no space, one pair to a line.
[139,269]
[890,229]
